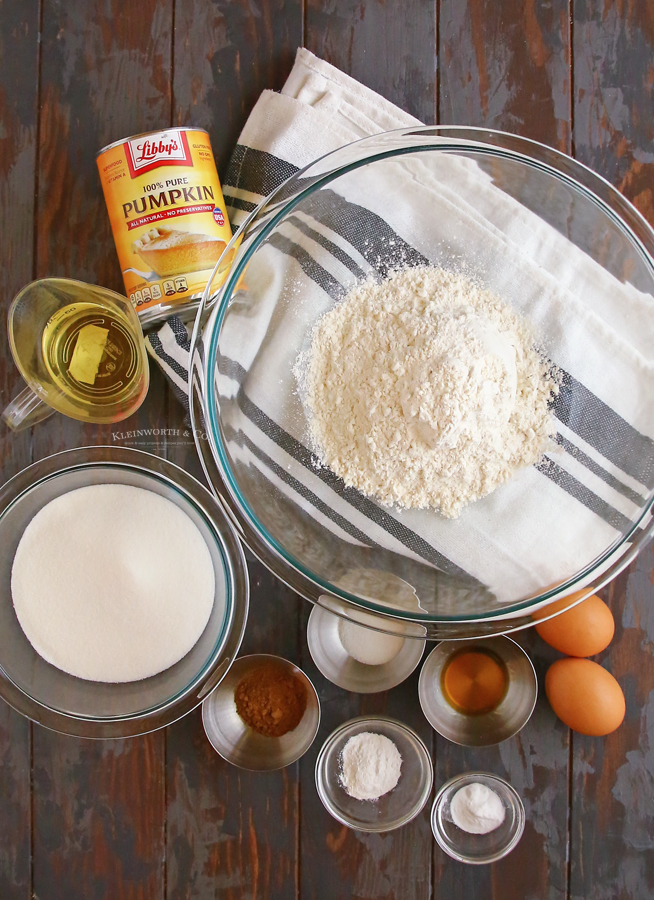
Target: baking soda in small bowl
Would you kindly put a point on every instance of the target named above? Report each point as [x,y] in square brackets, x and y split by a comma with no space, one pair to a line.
[477,818]
[477,809]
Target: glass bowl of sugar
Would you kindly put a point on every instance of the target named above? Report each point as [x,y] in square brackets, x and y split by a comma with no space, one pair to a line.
[477,818]
[93,675]
[374,774]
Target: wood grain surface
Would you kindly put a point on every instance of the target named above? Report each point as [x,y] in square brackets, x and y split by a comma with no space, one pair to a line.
[98,808]
[226,54]
[163,817]
[388,46]
[233,833]
[506,65]
[612,840]
[19,57]
[614,95]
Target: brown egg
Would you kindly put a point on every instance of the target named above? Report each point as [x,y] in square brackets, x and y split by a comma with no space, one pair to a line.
[584,630]
[585,696]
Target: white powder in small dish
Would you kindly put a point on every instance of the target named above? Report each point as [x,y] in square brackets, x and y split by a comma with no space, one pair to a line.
[112,583]
[477,809]
[372,648]
[370,766]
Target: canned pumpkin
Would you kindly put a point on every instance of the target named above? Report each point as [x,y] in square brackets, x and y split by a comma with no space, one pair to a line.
[167,216]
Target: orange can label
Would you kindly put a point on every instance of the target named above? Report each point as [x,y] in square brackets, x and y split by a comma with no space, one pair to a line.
[167,215]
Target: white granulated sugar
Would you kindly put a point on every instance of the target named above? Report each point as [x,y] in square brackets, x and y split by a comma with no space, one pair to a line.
[425,390]
[370,766]
[112,583]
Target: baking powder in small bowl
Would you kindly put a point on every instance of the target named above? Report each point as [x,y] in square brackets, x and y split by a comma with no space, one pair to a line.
[370,766]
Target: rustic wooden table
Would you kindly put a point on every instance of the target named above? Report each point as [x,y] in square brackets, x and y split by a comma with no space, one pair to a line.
[163,816]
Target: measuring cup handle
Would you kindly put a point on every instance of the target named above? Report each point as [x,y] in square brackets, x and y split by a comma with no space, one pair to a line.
[25,410]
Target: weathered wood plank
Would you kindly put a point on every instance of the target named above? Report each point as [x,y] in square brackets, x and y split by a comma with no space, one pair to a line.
[506,65]
[231,834]
[15,811]
[535,762]
[612,845]
[98,818]
[613,786]
[98,807]
[390,47]
[614,95]
[19,26]
[226,54]
[340,863]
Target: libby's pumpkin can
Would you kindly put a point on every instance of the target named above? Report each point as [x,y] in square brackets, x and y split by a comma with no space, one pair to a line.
[167,216]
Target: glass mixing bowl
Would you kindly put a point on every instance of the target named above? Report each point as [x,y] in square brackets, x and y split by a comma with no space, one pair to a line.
[552,239]
[94,709]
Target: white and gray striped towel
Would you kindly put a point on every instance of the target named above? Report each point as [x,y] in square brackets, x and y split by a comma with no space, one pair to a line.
[589,491]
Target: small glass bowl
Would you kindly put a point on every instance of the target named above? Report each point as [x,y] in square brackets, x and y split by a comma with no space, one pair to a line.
[477,849]
[394,809]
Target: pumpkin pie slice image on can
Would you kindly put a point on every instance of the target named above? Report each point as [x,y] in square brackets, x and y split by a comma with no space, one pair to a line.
[168,218]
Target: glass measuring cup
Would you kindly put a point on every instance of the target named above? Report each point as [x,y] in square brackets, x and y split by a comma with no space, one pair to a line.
[80,349]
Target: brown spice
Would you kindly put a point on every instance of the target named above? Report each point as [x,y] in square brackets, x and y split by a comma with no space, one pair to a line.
[270,700]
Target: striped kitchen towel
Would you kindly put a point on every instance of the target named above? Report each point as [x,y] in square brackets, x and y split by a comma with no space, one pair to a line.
[583,495]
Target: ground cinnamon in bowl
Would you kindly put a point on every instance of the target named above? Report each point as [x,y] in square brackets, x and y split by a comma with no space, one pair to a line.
[271,700]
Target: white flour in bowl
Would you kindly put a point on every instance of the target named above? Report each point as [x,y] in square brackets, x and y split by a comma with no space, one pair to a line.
[370,766]
[112,583]
[426,390]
